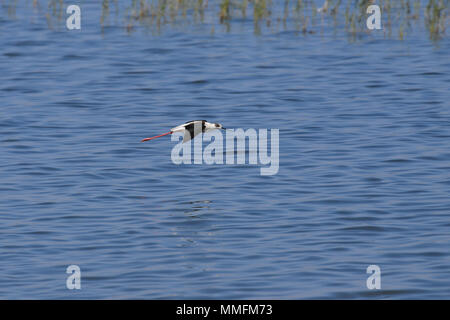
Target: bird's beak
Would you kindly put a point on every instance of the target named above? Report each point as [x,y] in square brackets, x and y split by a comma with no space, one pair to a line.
[224,128]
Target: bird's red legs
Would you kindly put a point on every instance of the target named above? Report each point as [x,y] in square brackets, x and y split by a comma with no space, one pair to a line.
[164,134]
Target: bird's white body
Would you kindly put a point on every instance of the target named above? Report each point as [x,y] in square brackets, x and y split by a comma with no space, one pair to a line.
[207,126]
[193,128]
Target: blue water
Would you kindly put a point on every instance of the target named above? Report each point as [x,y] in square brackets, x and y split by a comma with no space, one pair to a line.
[364,173]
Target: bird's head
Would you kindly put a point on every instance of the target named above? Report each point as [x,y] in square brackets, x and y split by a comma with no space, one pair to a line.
[218,126]
[211,126]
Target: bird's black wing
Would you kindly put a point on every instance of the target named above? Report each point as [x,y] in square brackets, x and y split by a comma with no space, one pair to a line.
[191,130]
[203,121]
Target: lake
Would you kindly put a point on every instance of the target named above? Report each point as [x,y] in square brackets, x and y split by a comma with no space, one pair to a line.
[364,157]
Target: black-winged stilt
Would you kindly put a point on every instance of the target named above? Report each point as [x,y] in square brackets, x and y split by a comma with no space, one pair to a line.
[190,129]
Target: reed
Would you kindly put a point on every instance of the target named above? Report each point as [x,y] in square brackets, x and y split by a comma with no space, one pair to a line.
[436,16]
[400,17]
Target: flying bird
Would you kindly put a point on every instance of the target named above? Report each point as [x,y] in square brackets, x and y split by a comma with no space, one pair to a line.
[191,129]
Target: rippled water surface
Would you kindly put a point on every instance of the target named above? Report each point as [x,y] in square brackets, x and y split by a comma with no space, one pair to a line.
[364,172]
